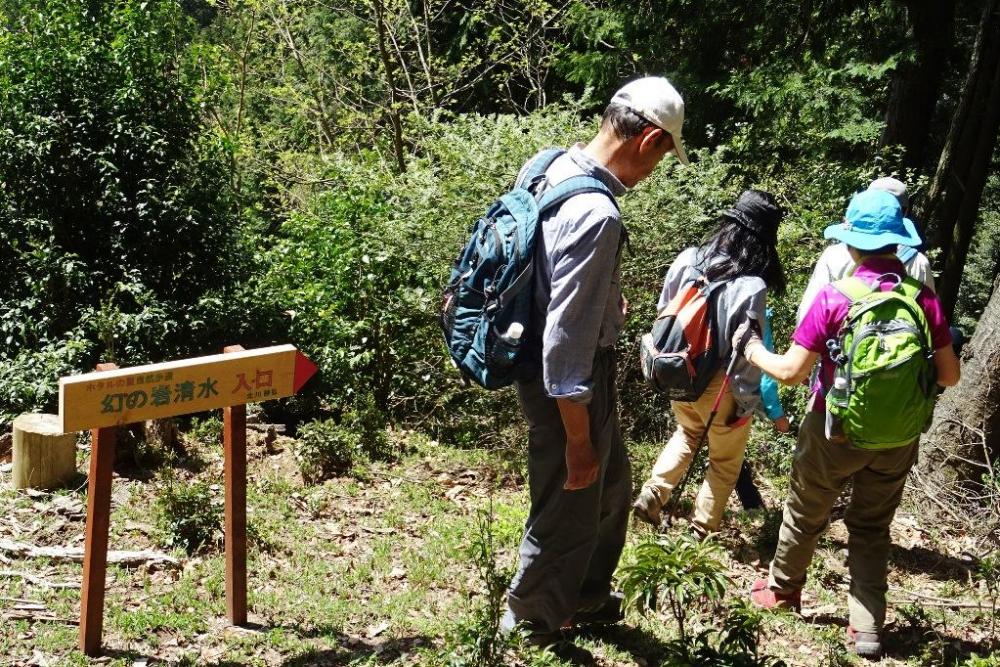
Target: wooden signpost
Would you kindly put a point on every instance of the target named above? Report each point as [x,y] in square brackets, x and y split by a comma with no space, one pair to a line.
[112,397]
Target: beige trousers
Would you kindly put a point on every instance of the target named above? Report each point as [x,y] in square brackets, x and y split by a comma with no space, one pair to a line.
[726,448]
[819,472]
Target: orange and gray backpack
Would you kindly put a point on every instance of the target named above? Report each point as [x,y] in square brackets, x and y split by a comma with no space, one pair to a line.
[680,356]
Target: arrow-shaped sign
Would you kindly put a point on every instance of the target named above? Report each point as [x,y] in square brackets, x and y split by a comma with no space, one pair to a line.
[155,391]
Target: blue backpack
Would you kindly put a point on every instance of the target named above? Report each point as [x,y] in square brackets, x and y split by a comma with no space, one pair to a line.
[489,288]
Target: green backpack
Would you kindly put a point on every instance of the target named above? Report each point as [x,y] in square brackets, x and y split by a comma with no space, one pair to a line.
[883,392]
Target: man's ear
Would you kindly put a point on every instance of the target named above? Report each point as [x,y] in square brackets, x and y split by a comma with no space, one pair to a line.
[650,138]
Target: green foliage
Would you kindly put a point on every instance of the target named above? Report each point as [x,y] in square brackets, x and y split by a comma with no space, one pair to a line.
[983,262]
[188,515]
[355,293]
[834,111]
[359,271]
[736,645]
[328,447]
[206,431]
[785,78]
[479,641]
[113,206]
[29,380]
[834,648]
[683,571]
[987,574]
[985,661]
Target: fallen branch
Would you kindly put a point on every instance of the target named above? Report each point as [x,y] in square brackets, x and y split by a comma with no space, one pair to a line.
[924,596]
[934,601]
[19,600]
[38,581]
[953,605]
[47,618]
[75,554]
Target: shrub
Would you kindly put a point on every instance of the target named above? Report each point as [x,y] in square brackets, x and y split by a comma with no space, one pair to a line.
[29,381]
[680,570]
[325,448]
[328,447]
[206,431]
[188,515]
[479,640]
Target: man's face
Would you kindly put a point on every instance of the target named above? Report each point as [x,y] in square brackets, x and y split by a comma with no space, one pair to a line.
[647,151]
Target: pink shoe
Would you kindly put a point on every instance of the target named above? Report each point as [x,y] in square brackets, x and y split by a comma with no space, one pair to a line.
[765,597]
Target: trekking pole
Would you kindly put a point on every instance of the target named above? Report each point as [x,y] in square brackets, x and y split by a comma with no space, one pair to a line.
[677,491]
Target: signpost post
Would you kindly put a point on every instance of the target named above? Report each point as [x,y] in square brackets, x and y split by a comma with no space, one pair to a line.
[112,397]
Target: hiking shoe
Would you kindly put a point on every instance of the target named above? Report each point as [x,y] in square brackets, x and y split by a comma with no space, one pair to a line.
[607,612]
[763,596]
[647,507]
[865,644]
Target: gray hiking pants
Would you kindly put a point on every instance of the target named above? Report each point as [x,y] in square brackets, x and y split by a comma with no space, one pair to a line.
[572,539]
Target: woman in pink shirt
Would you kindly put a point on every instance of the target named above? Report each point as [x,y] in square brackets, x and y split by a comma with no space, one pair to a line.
[872,228]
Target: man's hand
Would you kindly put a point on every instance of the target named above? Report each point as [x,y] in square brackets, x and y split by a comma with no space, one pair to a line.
[623,304]
[582,465]
[746,335]
[781,425]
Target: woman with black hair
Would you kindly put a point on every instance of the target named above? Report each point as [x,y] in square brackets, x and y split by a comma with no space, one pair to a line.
[743,255]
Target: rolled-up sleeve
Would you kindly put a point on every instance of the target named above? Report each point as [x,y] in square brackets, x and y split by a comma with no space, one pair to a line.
[745,383]
[583,266]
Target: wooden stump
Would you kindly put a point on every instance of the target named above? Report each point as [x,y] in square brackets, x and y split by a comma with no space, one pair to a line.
[44,457]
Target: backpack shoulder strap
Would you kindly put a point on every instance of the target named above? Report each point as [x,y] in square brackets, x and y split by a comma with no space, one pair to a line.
[538,166]
[575,185]
[712,287]
[853,288]
[910,287]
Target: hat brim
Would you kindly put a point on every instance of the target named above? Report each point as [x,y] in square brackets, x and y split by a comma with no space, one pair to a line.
[679,151]
[867,241]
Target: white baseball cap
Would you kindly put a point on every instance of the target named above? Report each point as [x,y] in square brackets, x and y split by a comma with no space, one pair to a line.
[653,98]
[893,186]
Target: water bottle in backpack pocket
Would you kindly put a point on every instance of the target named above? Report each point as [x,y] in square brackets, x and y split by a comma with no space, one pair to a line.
[486,305]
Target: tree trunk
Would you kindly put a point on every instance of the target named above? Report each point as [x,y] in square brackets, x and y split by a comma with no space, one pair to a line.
[916,83]
[390,81]
[44,456]
[964,438]
[952,204]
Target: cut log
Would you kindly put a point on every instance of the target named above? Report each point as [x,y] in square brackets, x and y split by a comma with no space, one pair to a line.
[75,554]
[44,456]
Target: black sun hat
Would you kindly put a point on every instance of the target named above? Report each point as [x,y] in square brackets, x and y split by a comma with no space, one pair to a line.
[757,212]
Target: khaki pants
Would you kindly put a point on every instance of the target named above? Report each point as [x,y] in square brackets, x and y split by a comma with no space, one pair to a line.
[820,471]
[726,448]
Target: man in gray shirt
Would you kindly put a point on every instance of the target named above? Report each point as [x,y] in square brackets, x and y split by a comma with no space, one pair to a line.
[578,468]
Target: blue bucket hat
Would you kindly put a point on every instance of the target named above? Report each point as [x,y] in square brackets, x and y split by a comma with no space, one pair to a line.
[874,219]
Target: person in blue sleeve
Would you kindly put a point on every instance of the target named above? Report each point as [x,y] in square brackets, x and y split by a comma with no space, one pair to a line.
[746,490]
